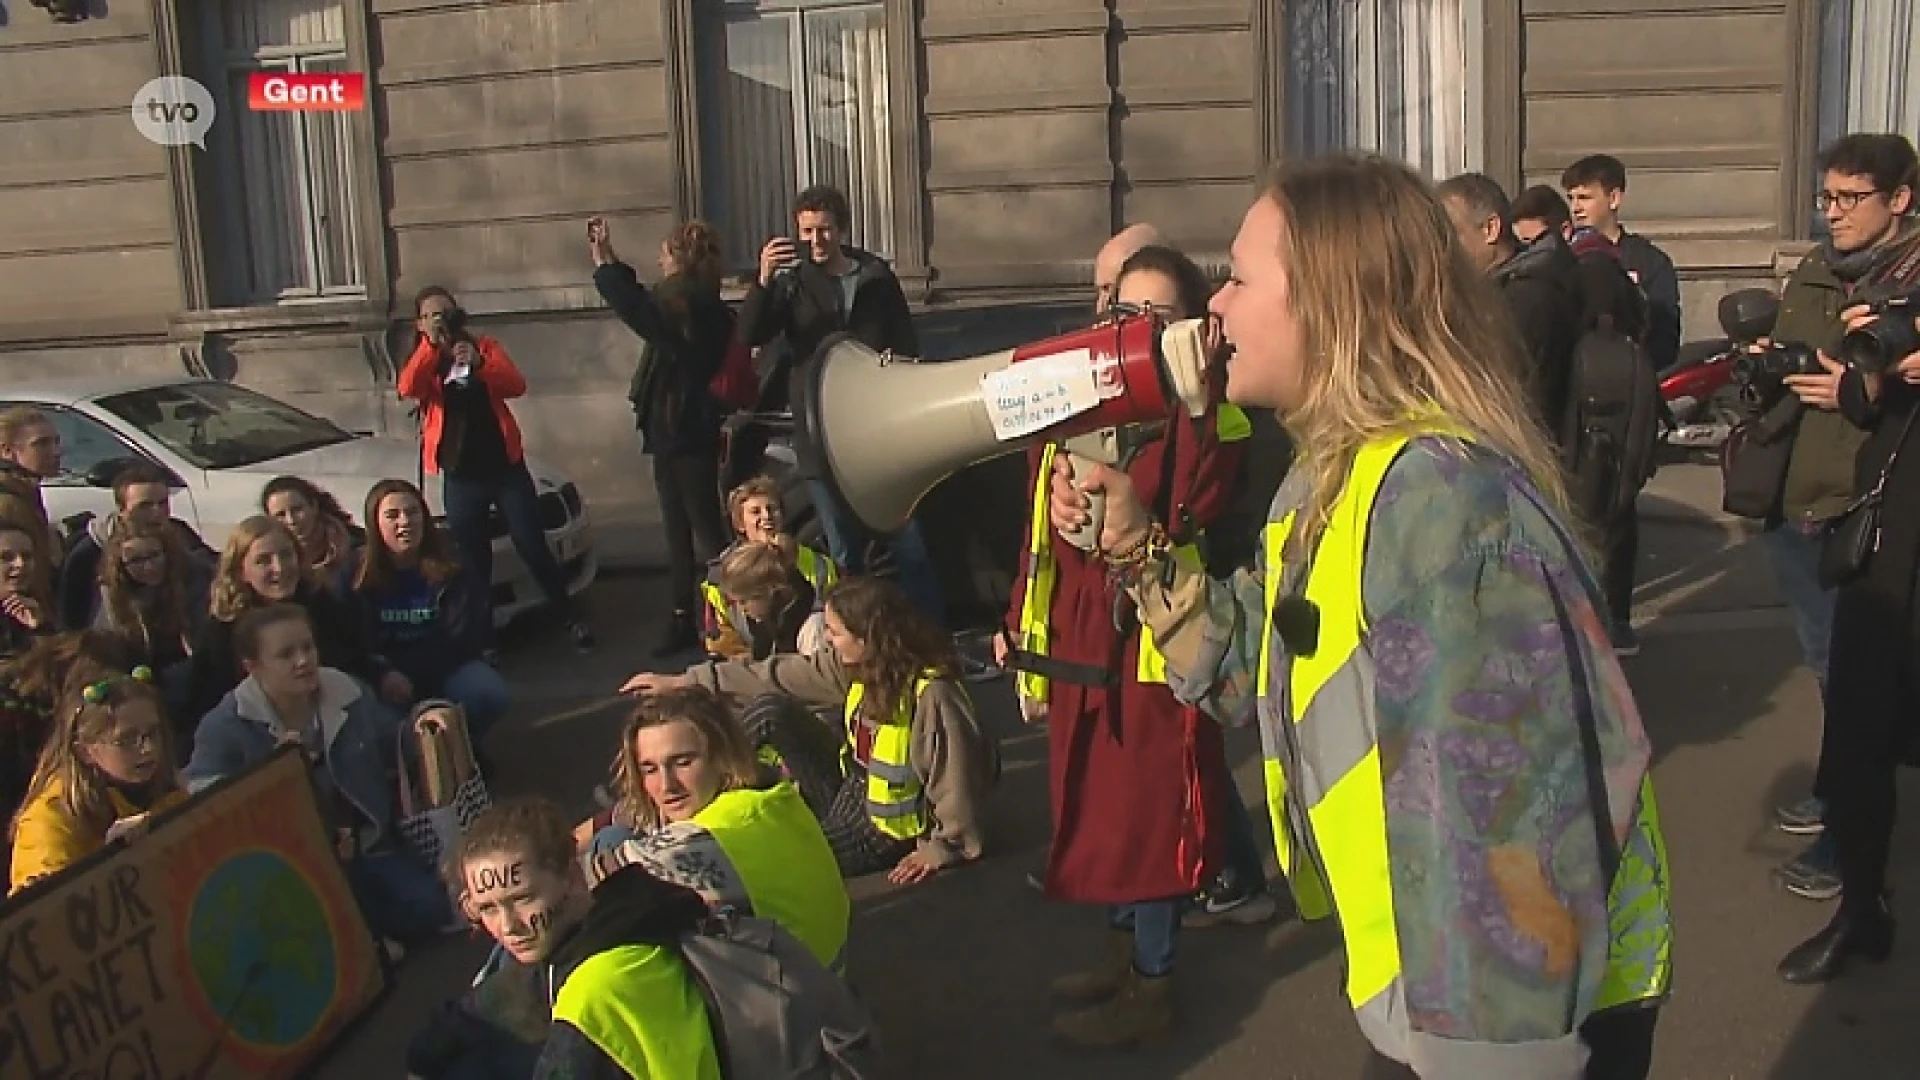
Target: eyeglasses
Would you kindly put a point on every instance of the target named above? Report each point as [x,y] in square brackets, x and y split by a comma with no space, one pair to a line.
[1845,200]
[132,740]
[145,560]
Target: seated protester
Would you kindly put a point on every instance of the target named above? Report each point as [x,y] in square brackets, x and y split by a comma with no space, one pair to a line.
[108,766]
[915,765]
[25,613]
[352,743]
[261,565]
[31,687]
[151,593]
[766,603]
[141,496]
[755,511]
[696,807]
[423,616]
[623,1002]
[326,533]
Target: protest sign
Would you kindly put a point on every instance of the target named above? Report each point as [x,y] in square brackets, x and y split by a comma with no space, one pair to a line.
[224,943]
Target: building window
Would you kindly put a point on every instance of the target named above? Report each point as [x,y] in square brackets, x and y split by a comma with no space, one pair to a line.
[288,217]
[1869,67]
[1387,76]
[794,93]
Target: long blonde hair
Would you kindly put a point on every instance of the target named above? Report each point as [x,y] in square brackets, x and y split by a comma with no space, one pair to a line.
[232,596]
[86,716]
[1395,322]
[721,737]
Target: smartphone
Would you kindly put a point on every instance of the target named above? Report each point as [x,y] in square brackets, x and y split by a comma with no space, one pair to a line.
[792,264]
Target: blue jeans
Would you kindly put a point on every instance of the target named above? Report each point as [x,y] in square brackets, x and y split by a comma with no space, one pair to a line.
[1245,859]
[1794,551]
[909,548]
[481,692]
[468,502]
[399,895]
[1156,926]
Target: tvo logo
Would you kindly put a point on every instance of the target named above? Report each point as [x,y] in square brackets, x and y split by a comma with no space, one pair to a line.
[174,111]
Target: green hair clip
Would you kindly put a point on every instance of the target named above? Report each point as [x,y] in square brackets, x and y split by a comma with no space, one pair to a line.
[96,693]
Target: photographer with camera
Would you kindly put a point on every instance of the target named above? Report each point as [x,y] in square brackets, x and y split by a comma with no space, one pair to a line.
[1792,462]
[463,382]
[1873,671]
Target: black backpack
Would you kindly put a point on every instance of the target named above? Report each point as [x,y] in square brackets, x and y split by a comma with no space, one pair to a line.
[1613,423]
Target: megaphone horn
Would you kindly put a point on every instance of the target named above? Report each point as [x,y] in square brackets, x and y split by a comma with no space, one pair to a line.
[881,431]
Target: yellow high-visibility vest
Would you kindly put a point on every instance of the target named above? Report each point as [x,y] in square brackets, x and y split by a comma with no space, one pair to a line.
[1340,866]
[639,1005]
[896,800]
[1036,603]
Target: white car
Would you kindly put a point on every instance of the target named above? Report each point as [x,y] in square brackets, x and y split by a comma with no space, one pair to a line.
[223,442]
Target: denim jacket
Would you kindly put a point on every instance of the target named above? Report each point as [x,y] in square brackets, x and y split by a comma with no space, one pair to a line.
[358,732]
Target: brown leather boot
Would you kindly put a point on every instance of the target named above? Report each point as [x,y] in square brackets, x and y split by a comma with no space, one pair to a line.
[1103,979]
[1139,1015]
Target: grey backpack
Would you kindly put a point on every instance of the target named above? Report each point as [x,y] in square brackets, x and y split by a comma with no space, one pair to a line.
[778,1013]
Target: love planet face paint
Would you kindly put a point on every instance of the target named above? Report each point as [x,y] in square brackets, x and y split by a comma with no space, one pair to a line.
[518,903]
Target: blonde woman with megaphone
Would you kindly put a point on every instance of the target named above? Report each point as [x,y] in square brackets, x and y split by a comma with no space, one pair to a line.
[1455,764]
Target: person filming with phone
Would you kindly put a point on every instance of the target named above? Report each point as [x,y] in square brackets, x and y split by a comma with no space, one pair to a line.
[809,294]
[463,382]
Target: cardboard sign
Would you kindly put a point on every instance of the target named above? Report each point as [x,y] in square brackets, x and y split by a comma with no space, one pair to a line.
[224,943]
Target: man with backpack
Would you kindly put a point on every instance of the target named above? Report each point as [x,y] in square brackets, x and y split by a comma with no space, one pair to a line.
[637,979]
[1538,283]
[1592,385]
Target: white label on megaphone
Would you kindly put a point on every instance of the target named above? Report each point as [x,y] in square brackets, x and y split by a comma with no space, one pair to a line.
[1039,393]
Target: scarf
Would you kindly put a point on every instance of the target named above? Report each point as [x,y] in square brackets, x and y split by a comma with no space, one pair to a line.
[1853,267]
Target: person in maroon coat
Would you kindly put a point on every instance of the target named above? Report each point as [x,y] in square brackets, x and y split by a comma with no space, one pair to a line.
[1135,775]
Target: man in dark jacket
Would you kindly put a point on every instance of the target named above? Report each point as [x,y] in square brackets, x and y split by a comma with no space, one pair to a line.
[1867,198]
[1596,187]
[141,493]
[832,289]
[1540,284]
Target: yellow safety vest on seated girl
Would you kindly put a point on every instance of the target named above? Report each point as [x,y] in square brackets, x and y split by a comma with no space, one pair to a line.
[896,800]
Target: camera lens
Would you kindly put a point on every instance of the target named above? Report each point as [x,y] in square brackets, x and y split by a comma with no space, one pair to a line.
[1879,345]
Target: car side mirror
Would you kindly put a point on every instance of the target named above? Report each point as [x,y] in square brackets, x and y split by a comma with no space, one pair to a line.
[103,473]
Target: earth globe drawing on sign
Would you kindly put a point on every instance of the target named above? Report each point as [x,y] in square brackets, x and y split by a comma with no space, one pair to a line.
[262,950]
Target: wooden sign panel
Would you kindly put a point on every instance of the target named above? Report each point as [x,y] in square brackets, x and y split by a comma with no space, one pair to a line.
[224,943]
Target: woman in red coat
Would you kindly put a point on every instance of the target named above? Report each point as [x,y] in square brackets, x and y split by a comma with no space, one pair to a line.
[1135,775]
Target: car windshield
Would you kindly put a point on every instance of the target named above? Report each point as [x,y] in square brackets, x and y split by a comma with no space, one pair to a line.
[221,426]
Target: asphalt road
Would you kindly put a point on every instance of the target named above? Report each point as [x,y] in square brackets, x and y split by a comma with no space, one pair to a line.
[957,968]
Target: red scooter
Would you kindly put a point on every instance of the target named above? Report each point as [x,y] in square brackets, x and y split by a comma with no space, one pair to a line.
[1702,401]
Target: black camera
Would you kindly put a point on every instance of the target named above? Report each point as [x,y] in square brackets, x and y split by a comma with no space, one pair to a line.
[1876,347]
[452,322]
[1762,374]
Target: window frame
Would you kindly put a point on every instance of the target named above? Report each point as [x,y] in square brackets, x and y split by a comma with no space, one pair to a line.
[1491,111]
[1800,223]
[702,196]
[208,299]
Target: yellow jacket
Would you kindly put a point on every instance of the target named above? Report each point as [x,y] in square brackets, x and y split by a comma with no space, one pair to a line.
[47,839]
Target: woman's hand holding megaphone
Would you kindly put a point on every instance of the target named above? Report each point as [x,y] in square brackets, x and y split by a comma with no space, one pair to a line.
[1126,519]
